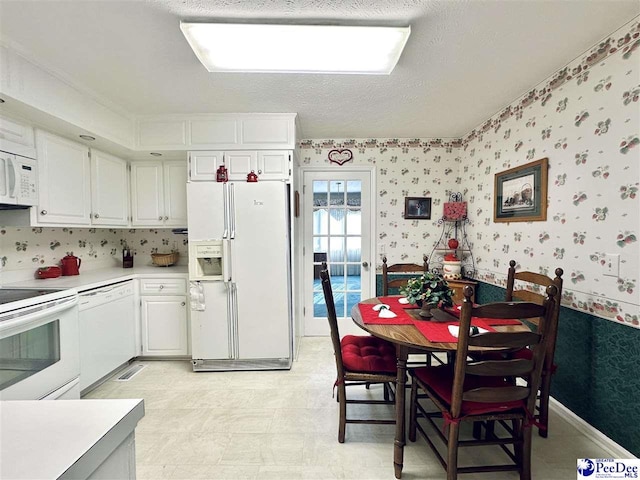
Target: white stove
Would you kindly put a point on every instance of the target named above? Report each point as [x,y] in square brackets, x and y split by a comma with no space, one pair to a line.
[39,353]
[15,298]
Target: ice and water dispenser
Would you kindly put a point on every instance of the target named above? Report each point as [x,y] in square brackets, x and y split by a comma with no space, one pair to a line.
[207,260]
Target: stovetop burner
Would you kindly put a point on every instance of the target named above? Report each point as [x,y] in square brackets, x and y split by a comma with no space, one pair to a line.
[8,295]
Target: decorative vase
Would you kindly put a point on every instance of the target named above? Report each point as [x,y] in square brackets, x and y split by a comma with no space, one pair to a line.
[425,311]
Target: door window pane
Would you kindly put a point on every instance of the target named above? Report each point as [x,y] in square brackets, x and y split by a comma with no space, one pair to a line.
[354,251]
[320,222]
[354,193]
[320,192]
[337,222]
[337,194]
[354,222]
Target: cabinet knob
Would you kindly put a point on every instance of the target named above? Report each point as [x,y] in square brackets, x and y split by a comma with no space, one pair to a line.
[161,287]
[43,212]
[183,304]
[365,264]
[160,218]
[95,215]
[259,172]
[166,218]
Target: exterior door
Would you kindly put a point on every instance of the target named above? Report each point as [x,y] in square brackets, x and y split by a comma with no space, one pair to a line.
[339,229]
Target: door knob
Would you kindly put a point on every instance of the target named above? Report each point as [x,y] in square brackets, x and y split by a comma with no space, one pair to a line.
[365,264]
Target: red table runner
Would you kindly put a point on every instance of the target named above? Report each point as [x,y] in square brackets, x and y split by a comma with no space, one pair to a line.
[370,316]
[394,303]
[455,310]
[438,332]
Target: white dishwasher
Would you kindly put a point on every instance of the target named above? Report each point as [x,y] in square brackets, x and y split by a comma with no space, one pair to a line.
[107,331]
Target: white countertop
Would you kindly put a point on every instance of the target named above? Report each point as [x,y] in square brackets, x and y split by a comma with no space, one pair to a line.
[44,439]
[97,278]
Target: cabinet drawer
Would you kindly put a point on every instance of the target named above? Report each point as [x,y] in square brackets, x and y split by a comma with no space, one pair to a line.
[163,286]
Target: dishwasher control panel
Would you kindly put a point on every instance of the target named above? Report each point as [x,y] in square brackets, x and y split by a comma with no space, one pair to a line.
[105,294]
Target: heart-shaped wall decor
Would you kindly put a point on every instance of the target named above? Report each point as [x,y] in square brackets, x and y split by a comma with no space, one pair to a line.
[340,156]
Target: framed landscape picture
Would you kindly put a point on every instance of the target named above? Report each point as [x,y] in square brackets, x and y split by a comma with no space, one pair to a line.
[520,193]
[417,208]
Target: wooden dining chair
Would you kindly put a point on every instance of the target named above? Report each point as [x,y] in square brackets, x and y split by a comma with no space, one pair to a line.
[407,268]
[480,391]
[527,282]
[360,360]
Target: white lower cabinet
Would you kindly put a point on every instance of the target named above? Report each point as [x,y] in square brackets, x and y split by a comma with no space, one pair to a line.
[164,317]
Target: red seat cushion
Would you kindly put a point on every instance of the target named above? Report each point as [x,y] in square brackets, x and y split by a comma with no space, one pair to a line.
[440,379]
[367,354]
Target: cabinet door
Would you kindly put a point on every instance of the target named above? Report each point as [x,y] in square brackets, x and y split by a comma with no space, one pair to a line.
[204,165]
[109,190]
[175,194]
[240,163]
[64,181]
[164,325]
[274,165]
[147,195]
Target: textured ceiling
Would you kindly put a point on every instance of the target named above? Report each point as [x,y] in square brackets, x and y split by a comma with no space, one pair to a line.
[464,61]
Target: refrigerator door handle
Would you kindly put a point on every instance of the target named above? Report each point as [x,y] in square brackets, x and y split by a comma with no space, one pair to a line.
[226,261]
[225,200]
[232,212]
[236,340]
[230,316]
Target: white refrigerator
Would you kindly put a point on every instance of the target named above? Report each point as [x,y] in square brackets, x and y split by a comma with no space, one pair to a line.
[243,320]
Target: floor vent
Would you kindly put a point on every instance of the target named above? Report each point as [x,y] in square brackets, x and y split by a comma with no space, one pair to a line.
[130,373]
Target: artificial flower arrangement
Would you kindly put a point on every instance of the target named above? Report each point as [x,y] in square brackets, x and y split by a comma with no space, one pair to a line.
[428,289]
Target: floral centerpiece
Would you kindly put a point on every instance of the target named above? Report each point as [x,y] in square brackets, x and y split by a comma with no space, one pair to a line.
[430,290]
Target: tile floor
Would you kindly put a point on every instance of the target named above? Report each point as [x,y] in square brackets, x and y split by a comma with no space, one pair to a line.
[283,425]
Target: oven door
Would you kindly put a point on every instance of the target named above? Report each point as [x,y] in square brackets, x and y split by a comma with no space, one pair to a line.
[39,350]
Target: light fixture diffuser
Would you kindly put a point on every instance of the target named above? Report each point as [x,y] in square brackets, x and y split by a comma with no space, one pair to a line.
[228,47]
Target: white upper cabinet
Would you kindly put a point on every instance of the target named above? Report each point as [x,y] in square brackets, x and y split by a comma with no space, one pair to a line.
[159,194]
[267,164]
[224,131]
[203,166]
[175,194]
[109,190]
[240,163]
[274,165]
[17,137]
[64,181]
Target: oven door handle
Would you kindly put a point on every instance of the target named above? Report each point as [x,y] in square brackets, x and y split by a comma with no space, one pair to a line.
[38,316]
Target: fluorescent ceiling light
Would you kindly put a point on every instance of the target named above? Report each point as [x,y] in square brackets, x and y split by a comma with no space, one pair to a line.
[227,47]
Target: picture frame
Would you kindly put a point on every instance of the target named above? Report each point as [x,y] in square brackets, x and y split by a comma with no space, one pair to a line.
[417,208]
[520,193]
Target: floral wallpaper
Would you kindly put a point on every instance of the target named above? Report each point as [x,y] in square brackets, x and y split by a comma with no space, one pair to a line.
[404,168]
[586,120]
[25,248]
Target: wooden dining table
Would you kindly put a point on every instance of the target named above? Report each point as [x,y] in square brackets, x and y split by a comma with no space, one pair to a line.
[407,338]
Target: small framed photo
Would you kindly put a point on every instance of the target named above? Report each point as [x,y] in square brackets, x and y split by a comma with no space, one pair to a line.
[520,193]
[417,208]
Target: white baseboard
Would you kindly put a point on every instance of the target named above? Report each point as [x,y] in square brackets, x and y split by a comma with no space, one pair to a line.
[615,450]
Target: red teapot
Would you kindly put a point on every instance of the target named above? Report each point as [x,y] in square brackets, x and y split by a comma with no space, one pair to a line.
[70,265]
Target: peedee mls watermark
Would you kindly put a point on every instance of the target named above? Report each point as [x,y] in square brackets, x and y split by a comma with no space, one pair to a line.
[594,468]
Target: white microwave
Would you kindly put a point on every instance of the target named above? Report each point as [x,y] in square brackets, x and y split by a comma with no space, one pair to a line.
[18,181]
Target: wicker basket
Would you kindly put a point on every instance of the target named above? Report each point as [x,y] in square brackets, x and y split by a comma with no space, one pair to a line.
[164,259]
